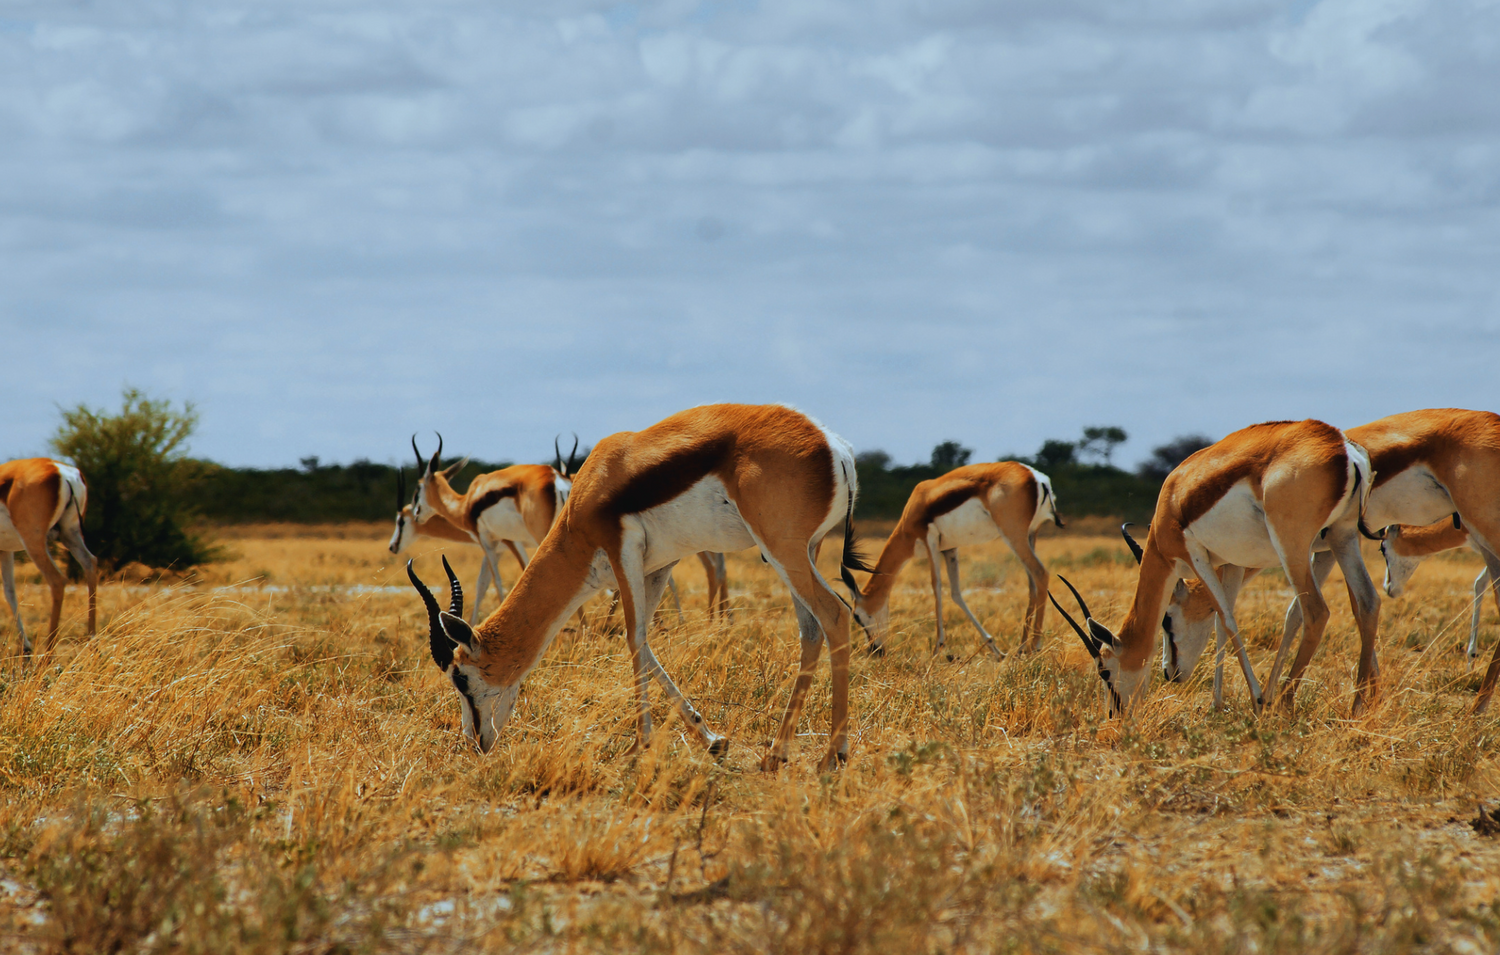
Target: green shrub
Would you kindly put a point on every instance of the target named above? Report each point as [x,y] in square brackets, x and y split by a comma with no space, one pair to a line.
[139,481]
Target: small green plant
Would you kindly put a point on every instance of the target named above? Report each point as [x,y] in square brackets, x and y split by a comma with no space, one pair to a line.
[138,477]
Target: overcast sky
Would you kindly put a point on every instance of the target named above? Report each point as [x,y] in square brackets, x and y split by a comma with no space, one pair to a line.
[331,223]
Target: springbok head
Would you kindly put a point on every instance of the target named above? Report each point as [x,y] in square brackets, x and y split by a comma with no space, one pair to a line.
[485,708]
[1124,685]
[431,475]
[1398,566]
[1187,624]
[406,524]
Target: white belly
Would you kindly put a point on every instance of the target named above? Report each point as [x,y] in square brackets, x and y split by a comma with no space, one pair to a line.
[701,518]
[969,523]
[9,539]
[502,521]
[1234,530]
[1412,497]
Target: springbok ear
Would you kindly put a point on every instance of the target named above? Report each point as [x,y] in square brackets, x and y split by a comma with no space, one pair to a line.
[453,469]
[1101,633]
[1130,542]
[457,630]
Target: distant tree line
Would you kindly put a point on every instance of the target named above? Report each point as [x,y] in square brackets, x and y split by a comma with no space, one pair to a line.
[1083,474]
[315,493]
[145,494]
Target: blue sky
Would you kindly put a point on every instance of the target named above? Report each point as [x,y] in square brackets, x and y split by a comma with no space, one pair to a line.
[331,224]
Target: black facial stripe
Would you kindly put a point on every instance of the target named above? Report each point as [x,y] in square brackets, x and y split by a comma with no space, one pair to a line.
[461,684]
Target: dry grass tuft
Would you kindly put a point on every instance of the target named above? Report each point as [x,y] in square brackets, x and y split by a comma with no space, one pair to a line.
[265,760]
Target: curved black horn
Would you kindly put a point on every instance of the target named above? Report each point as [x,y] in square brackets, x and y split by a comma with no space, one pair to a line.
[437,455]
[1077,597]
[442,646]
[557,464]
[1088,642]
[456,606]
[571,466]
[420,460]
[1130,542]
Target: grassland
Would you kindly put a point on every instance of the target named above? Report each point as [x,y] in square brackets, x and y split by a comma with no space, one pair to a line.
[265,760]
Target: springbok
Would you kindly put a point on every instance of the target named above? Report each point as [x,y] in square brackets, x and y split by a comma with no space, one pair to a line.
[436,526]
[514,506]
[968,505]
[1431,464]
[1262,496]
[42,500]
[1404,547]
[714,478]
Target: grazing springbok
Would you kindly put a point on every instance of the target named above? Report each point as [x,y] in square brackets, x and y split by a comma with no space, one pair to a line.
[1404,547]
[968,505]
[42,500]
[1429,465]
[714,478]
[436,526]
[1261,497]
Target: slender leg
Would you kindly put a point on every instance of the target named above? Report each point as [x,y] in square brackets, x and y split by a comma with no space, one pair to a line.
[676,600]
[721,572]
[632,593]
[1323,562]
[830,620]
[1481,584]
[1221,645]
[1036,603]
[36,549]
[486,571]
[811,640]
[8,571]
[1210,579]
[72,537]
[1364,600]
[1491,673]
[519,550]
[950,557]
[934,559]
[1233,580]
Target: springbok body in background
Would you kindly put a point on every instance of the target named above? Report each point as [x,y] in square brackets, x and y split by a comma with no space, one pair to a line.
[514,506]
[968,505]
[1404,547]
[1428,465]
[714,478]
[437,527]
[1261,497]
[41,500]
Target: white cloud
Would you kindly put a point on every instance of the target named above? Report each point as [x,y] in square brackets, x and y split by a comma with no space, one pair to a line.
[332,223]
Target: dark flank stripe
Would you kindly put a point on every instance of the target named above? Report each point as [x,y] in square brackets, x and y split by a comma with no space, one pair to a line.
[489,499]
[950,500]
[668,478]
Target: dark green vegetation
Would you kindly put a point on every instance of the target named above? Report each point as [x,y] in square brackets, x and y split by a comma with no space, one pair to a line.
[1083,487]
[140,481]
[313,494]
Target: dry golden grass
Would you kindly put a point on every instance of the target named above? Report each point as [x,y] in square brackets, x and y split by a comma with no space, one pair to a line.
[267,761]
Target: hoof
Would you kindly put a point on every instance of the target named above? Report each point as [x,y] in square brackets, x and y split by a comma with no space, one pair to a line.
[719,746]
[950,657]
[770,763]
[833,761]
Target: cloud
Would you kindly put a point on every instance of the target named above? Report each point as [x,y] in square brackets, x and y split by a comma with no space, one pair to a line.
[333,223]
